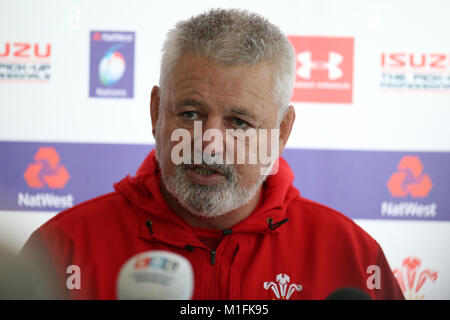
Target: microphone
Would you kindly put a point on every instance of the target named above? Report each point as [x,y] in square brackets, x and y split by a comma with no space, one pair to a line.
[155,275]
[348,294]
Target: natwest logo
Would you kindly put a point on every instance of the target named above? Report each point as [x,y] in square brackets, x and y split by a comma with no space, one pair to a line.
[411,277]
[410,179]
[412,183]
[97,36]
[113,36]
[46,170]
[324,69]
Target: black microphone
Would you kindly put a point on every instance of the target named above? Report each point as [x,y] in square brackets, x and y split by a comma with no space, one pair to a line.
[348,294]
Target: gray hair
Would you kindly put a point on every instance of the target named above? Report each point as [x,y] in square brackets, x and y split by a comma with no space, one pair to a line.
[232,37]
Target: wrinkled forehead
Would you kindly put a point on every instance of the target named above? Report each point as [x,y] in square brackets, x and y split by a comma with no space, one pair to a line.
[187,57]
[197,77]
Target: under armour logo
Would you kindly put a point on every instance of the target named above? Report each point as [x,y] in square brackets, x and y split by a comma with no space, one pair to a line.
[306,65]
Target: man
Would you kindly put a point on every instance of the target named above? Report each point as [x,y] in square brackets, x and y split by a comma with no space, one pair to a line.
[226,78]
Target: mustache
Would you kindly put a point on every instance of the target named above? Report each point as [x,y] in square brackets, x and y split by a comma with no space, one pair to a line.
[209,162]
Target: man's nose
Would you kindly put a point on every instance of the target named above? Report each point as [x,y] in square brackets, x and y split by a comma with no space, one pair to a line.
[213,136]
[211,139]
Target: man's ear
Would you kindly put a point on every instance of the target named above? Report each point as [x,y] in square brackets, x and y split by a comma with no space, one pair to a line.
[155,100]
[286,127]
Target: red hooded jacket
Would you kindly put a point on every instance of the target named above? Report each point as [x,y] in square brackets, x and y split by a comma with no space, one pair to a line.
[286,240]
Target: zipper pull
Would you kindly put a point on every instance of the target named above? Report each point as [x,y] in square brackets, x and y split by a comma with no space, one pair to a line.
[213,257]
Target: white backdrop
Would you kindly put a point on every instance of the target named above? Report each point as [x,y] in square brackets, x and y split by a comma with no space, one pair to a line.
[377,119]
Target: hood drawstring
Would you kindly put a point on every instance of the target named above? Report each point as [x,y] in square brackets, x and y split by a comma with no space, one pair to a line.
[273,226]
[149,226]
[226,232]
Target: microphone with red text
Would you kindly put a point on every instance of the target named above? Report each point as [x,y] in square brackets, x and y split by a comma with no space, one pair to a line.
[348,294]
[155,275]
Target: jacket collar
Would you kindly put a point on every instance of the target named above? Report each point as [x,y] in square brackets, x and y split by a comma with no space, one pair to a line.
[143,192]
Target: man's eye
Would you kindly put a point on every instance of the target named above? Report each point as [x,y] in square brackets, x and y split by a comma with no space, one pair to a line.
[189,115]
[239,123]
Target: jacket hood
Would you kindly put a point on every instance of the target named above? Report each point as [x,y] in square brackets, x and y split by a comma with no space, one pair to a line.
[143,192]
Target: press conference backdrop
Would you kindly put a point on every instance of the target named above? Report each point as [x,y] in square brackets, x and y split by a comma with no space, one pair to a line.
[372,99]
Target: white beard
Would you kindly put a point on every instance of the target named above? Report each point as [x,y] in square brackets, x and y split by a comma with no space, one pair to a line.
[207,201]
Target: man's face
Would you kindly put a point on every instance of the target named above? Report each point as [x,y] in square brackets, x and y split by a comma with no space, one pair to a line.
[224,98]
